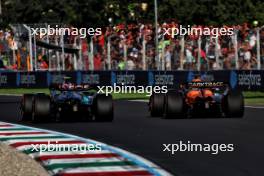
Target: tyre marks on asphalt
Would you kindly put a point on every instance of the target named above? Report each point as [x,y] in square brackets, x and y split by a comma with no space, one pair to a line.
[71,162]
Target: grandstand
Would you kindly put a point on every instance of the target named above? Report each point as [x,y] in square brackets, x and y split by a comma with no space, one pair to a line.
[131,47]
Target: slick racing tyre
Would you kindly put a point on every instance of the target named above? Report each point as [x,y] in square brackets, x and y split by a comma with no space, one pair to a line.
[26,107]
[233,104]
[103,108]
[156,105]
[174,106]
[41,108]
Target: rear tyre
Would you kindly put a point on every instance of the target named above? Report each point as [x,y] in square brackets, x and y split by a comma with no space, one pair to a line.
[103,108]
[175,106]
[156,105]
[41,108]
[26,107]
[233,104]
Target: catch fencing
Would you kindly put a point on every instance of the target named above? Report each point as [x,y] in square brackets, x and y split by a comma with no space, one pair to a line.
[31,52]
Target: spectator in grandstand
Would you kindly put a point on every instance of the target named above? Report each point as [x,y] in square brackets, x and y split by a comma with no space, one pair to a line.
[1,63]
[121,65]
[97,62]
[42,64]
[68,63]
[130,64]
[189,58]
[167,57]
[132,36]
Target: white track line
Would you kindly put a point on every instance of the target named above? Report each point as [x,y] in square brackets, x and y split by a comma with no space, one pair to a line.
[104,169]
[13,141]
[27,135]
[83,160]
[53,153]
[247,106]
[139,100]
[255,107]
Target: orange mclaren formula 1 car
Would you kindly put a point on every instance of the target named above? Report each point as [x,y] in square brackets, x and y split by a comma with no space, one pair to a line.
[198,99]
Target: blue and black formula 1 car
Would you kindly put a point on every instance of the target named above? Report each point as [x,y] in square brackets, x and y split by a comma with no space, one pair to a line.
[67,101]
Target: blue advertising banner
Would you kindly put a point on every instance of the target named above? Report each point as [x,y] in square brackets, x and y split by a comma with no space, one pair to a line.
[237,79]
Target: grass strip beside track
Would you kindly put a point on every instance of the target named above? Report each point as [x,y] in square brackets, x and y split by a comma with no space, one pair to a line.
[251,98]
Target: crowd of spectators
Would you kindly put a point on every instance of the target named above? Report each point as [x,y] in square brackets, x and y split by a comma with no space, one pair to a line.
[214,54]
[6,46]
[14,53]
[132,47]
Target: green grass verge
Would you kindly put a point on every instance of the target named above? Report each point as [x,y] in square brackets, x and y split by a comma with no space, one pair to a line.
[20,91]
[251,98]
[254,101]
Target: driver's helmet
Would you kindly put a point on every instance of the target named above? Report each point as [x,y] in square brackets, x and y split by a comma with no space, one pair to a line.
[65,86]
[197,79]
[71,86]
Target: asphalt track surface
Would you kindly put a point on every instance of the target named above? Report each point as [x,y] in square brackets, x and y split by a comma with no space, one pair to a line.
[135,131]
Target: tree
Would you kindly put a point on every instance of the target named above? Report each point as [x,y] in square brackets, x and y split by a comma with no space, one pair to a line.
[97,13]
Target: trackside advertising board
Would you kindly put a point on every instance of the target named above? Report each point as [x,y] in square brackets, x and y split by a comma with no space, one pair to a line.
[242,79]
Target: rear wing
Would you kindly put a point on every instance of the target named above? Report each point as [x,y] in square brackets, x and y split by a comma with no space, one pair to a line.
[203,85]
[72,87]
[206,84]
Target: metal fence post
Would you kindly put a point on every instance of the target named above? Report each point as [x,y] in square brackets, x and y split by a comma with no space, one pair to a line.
[57,54]
[35,53]
[182,52]
[80,55]
[199,54]
[30,47]
[14,48]
[63,54]
[156,35]
[75,62]
[109,53]
[47,51]
[162,63]
[144,53]
[258,50]
[207,45]
[236,50]
[217,52]
[125,55]
[91,55]
[75,65]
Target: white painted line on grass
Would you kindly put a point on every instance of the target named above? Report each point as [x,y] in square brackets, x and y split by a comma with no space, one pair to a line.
[255,107]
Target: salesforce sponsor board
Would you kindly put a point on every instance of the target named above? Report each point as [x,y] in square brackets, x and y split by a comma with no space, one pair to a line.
[137,78]
[94,77]
[164,79]
[91,79]
[244,80]
[32,79]
[125,79]
[3,79]
[61,77]
[250,80]
[8,79]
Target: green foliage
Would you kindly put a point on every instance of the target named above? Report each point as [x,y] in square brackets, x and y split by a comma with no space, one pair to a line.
[97,12]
